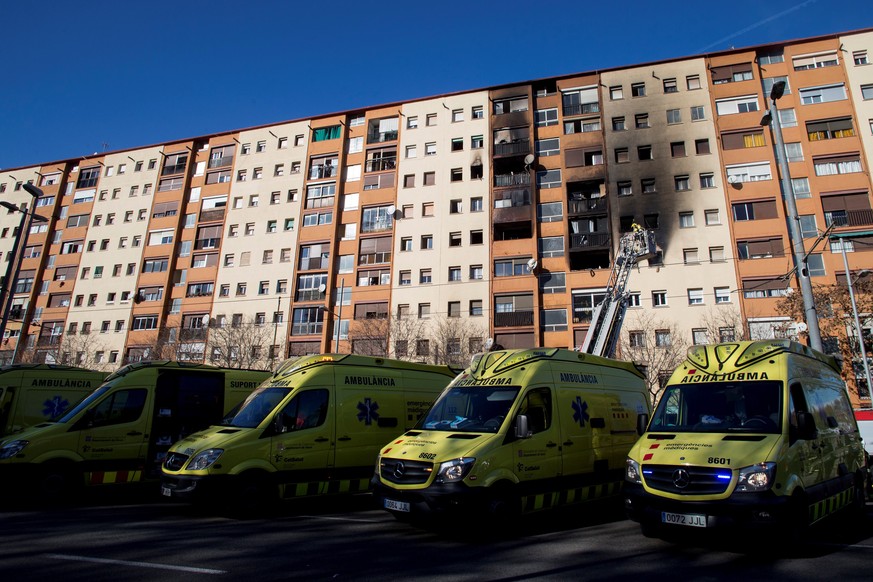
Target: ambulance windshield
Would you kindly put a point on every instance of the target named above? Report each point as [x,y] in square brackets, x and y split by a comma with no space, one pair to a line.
[69,415]
[720,407]
[256,407]
[470,409]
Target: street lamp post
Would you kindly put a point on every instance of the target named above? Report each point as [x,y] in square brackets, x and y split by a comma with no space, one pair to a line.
[6,291]
[800,263]
[858,329]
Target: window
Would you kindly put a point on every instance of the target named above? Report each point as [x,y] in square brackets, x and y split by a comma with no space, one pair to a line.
[430,119]
[476,272]
[455,239]
[478,112]
[686,220]
[551,246]
[621,155]
[747,138]
[670,86]
[647,185]
[832,165]
[625,188]
[427,241]
[637,339]
[826,94]
[867,92]
[674,116]
[644,152]
[698,113]
[512,267]
[815,61]
[553,283]
[760,210]
[731,73]
[616,92]
[749,172]
[638,90]
[860,58]
[455,207]
[800,186]
[712,217]
[788,117]
[830,129]
[677,149]
[716,254]
[659,298]
[548,147]
[510,105]
[546,117]
[690,256]
[735,105]
[548,179]
[641,120]
[457,174]
[707,180]
[692,82]
[425,276]
[681,183]
[695,297]
[553,319]
[794,152]
[701,146]
[429,178]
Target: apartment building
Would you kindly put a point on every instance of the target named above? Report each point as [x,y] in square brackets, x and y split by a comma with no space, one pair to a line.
[424,229]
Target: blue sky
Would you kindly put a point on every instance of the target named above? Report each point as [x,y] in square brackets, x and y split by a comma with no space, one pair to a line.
[101,75]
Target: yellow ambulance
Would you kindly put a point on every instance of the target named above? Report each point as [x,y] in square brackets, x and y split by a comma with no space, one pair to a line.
[520,430]
[756,433]
[315,427]
[122,430]
[34,393]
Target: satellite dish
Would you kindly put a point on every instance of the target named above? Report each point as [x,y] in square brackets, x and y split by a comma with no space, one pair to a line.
[529,159]
[532,264]
[206,319]
[732,179]
[322,288]
[391,209]
[489,342]
[801,327]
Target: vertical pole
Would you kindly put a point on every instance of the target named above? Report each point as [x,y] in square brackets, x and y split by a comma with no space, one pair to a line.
[6,291]
[858,329]
[275,332]
[339,317]
[794,234]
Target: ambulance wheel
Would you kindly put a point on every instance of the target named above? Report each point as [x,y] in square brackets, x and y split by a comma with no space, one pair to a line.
[255,493]
[58,482]
[504,505]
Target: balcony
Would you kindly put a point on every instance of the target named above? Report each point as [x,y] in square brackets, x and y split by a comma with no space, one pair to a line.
[381,136]
[516,148]
[321,202]
[52,340]
[213,214]
[586,206]
[319,171]
[307,328]
[380,165]
[512,179]
[589,240]
[314,263]
[193,333]
[174,169]
[849,218]
[521,213]
[581,109]
[220,162]
[309,295]
[514,319]
[206,243]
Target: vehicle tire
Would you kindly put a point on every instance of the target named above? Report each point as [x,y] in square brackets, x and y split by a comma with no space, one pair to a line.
[58,482]
[503,506]
[255,495]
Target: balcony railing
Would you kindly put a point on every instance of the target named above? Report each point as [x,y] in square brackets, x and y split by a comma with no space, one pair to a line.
[520,179]
[206,243]
[849,217]
[514,148]
[175,169]
[321,202]
[581,109]
[323,171]
[220,162]
[589,240]
[307,328]
[52,340]
[513,319]
[314,263]
[212,214]
[380,165]
[381,136]
[309,295]
[587,205]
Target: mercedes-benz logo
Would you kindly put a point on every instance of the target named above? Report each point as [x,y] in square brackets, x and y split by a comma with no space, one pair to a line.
[399,469]
[681,478]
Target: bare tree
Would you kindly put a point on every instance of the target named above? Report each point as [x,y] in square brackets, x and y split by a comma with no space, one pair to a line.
[836,323]
[724,323]
[406,330]
[370,337]
[656,345]
[454,340]
[83,350]
[243,344]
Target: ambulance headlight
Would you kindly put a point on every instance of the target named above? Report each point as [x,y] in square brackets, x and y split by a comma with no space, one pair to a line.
[454,470]
[204,459]
[632,471]
[756,477]
[12,448]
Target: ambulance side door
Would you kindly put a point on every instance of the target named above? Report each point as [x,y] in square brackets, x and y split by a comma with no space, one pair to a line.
[113,434]
[302,446]
[577,436]
[803,454]
[539,455]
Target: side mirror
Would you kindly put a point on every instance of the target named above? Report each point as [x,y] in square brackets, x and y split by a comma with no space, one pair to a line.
[642,423]
[521,427]
[806,426]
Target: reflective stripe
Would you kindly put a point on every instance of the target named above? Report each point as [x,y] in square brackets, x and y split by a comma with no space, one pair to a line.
[569,496]
[825,507]
[332,487]
[111,477]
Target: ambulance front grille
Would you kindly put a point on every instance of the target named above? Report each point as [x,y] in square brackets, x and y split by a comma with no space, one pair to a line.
[686,480]
[175,461]
[405,472]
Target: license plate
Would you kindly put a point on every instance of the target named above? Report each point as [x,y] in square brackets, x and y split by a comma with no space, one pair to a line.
[396,505]
[689,519]
[165,491]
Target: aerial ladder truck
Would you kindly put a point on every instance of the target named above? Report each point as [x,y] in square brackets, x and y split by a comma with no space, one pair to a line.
[605,328]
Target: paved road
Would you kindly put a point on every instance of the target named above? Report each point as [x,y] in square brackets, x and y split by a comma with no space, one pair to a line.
[144,539]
